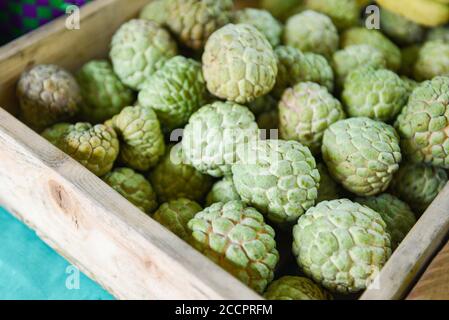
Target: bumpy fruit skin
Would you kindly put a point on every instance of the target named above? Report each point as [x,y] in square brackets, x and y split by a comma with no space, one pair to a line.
[263,104]
[329,189]
[378,94]
[352,57]
[344,13]
[134,187]
[175,92]
[222,191]
[305,112]
[418,185]
[279,178]
[310,31]
[295,288]
[212,135]
[103,94]
[263,21]
[176,214]
[142,140]
[400,29]
[362,154]
[341,244]
[409,57]
[55,132]
[397,215]
[156,10]
[95,147]
[237,238]
[433,61]
[438,34]
[295,67]
[193,21]
[375,39]
[281,9]
[239,63]
[422,124]
[138,49]
[174,178]
[47,95]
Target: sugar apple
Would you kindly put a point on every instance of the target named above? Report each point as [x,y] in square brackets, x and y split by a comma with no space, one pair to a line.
[156,10]
[263,104]
[378,94]
[138,49]
[175,92]
[397,215]
[176,214]
[438,34]
[400,29]
[103,94]
[47,94]
[329,189]
[263,21]
[239,63]
[341,244]
[222,191]
[269,121]
[418,185]
[281,9]
[305,112]
[352,57]
[433,61]
[55,132]
[141,136]
[375,39]
[212,135]
[422,124]
[362,154]
[193,21]
[95,147]
[237,238]
[295,288]
[310,31]
[295,67]
[174,178]
[134,187]
[279,178]
[344,13]
[409,57]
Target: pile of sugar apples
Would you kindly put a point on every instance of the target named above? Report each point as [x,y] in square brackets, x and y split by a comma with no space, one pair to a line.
[310,143]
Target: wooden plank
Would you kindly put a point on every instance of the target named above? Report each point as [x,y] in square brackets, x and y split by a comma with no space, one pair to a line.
[414,253]
[434,284]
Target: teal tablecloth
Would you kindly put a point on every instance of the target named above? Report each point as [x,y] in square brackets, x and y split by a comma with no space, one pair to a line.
[29,269]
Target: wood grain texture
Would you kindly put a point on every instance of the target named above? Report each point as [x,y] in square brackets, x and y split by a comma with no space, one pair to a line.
[434,284]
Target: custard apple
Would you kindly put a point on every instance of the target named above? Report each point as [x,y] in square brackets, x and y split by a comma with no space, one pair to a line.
[175,92]
[423,123]
[156,10]
[141,136]
[212,135]
[352,57]
[55,132]
[362,154]
[305,112]
[47,94]
[279,178]
[134,187]
[222,191]
[193,21]
[263,21]
[174,178]
[239,63]
[138,49]
[236,238]
[103,94]
[376,39]
[344,13]
[378,94]
[409,57]
[418,185]
[95,147]
[310,31]
[176,214]
[400,29]
[433,61]
[295,67]
[329,189]
[341,244]
[295,288]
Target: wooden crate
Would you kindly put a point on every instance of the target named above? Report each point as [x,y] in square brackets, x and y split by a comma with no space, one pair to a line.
[103,234]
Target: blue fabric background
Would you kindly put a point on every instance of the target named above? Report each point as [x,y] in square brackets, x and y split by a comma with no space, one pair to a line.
[29,269]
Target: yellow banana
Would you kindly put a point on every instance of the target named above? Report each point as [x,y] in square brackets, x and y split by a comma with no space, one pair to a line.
[426,12]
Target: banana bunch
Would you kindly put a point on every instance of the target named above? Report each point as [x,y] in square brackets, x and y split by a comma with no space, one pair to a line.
[430,13]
